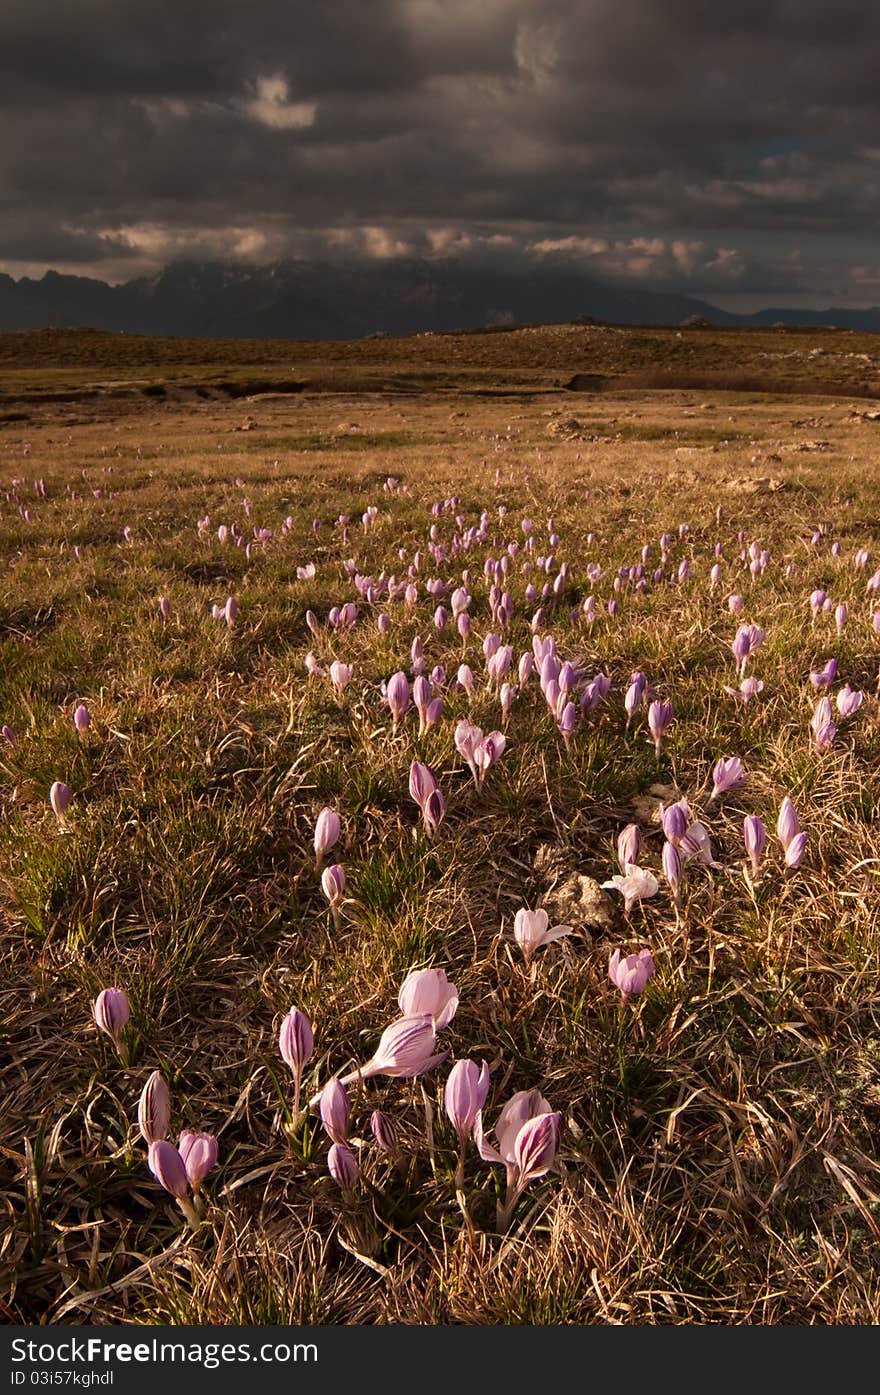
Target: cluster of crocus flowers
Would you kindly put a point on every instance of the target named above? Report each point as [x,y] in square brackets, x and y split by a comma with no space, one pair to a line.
[182,1170]
[112,1013]
[748,638]
[425,791]
[528,1132]
[823,726]
[179,1170]
[479,751]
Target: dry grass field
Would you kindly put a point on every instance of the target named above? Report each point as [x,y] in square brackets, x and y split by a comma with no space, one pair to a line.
[719,1150]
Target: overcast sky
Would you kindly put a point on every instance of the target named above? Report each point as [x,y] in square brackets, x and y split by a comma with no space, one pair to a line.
[726,149]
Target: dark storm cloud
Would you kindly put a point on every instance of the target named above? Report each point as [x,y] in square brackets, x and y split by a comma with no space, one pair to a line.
[664,141]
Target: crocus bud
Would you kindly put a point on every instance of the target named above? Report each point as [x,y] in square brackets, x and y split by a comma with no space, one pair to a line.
[81,718]
[421,783]
[787,826]
[230,611]
[59,798]
[659,717]
[335,1110]
[164,607]
[342,1166]
[384,1131]
[397,695]
[674,819]
[755,840]
[340,677]
[154,1109]
[629,845]
[535,1147]
[111,1013]
[433,811]
[794,853]
[296,1041]
[168,1168]
[199,1154]
[465,1095]
[671,860]
[327,830]
[333,883]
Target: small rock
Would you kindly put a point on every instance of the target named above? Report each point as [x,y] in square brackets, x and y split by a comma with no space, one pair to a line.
[579,901]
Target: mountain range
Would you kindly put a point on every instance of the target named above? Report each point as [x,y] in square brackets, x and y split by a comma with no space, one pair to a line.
[351,300]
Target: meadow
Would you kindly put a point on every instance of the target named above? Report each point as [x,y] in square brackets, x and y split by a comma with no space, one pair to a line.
[222,556]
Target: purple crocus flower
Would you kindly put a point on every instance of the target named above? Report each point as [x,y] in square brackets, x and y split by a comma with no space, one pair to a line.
[111,1012]
[59,798]
[296,1043]
[154,1109]
[429,991]
[406,1049]
[672,869]
[849,700]
[168,1168]
[335,1110]
[421,783]
[787,826]
[629,845]
[674,819]
[755,840]
[434,811]
[659,717]
[728,774]
[327,830]
[397,696]
[384,1132]
[199,1154]
[466,1089]
[824,677]
[82,718]
[631,973]
[342,1167]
